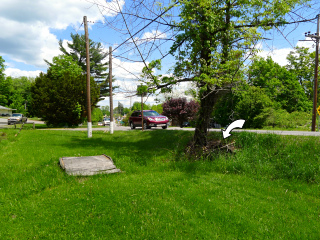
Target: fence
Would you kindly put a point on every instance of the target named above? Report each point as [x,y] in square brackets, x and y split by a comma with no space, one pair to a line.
[5,125]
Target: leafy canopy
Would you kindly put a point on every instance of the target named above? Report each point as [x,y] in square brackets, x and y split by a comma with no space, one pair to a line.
[180,110]
[59,96]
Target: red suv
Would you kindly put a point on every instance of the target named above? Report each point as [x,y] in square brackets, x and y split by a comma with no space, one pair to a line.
[150,119]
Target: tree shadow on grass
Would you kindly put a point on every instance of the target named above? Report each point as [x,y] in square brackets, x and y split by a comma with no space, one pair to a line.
[141,148]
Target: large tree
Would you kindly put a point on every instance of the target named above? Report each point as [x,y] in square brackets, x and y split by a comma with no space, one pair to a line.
[14,92]
[211,40]
[5,85]
[98,60]
[59,97]
[301,63]
[281,85]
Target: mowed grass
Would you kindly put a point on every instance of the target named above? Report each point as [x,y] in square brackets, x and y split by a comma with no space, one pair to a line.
[268,189]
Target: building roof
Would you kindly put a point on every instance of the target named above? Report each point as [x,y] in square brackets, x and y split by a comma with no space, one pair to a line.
[5,108]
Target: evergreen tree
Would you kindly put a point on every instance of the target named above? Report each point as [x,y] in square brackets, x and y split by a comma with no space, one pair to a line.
[59,96]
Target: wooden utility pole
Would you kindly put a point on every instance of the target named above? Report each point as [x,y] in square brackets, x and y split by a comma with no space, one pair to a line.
[315,86]
[315,37]
[142,127]
[110,90]
[88,77]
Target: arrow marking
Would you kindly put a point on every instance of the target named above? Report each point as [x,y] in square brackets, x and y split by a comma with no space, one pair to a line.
[236,124]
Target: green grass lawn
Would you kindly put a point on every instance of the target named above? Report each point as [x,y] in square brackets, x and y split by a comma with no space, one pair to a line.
[268,189]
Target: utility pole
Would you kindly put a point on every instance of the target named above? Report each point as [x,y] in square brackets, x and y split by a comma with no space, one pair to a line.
[88,77]
[315,37]
[142,127]
[110,90]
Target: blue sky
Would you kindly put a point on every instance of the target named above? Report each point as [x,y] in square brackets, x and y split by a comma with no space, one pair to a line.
[31,30]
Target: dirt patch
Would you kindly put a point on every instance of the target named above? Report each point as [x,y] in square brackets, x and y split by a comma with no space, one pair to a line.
[3,136]
[213,147]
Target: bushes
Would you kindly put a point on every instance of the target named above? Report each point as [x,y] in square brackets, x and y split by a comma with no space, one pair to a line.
[282,119]
[273,156]
[252,104]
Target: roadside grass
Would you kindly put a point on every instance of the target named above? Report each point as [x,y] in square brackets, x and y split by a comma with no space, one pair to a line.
[268,189]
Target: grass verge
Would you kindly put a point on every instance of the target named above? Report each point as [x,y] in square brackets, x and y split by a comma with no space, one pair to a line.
[268,189]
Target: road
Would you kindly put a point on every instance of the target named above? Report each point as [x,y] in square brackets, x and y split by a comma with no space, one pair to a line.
[4,121]
[123,128]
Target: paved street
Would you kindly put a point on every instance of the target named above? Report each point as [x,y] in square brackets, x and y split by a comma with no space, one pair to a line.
[3,121]
[123,128]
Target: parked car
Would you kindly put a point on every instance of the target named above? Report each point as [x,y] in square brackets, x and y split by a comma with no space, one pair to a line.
[106,121]
[17,118]
[150,119]
[185,124]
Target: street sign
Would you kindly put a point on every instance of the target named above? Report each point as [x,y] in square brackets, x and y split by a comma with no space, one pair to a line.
[318,109]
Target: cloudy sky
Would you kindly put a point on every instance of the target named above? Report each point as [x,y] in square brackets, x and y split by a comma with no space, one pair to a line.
[31,30]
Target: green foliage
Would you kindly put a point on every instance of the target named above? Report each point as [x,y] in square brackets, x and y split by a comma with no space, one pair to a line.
[142,90]
[120,108]
[137,106]
[97,115]
[158,108]
[252,106]
[281,85]
[56,96]
[301,64]
[77,52]
[282,119]
[211,46]
[5,90]
[269,189]
[223,111]
[63,64]
[126,118]
[15,92]
[4,86]
[126,111]
[105,110]
[98,63]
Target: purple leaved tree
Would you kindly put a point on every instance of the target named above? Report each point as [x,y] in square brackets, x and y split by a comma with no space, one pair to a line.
[180,110]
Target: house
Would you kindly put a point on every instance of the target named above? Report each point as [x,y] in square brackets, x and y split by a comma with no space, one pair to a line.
[5,111]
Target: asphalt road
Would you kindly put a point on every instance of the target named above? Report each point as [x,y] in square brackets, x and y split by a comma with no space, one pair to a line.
[123,128]
[4,121]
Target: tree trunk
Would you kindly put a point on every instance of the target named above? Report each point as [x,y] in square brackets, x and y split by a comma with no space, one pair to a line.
[206,108]
[208,99]
[210,96]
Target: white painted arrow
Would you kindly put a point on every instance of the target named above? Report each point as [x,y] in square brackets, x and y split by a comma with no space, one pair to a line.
[236,124]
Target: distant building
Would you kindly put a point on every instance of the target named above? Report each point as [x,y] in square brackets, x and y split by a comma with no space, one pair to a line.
[5,110]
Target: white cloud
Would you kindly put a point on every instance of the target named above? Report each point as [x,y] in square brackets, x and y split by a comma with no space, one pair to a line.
[25,34]
[279,55]
[307,44]
[14,72]
[150,36]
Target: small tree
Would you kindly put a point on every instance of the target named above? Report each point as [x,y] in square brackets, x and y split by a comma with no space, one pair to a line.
[97,115]
[105,110]
[253,105]
[59,96]
[180,110]
[137,106]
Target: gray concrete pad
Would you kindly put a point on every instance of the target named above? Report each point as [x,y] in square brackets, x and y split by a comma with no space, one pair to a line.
[87,166]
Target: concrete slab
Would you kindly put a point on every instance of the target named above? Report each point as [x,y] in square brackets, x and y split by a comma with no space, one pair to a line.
[87,166]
